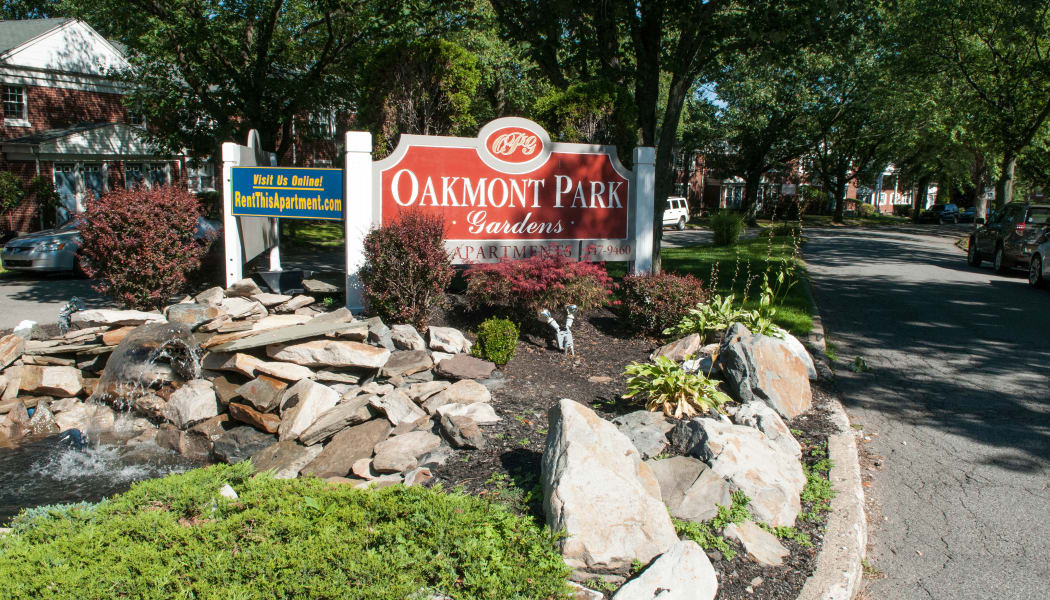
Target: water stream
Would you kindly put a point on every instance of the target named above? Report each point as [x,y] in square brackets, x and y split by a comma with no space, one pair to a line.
[52,470]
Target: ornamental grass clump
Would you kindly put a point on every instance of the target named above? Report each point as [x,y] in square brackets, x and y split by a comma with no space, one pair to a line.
[177,537]
[525,287]
[497,341]
[407,269]
[140,244]
[676,392]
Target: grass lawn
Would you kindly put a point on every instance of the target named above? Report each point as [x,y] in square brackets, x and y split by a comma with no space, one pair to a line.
[327,234]
[748,256]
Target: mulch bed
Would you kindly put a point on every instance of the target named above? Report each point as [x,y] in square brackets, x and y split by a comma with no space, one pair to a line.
[508,469]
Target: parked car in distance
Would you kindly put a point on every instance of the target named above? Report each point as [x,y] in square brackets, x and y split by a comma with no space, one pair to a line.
[940,213]
[1009,238]
[55,250]
[1039,265]
[966,215]
[676,213]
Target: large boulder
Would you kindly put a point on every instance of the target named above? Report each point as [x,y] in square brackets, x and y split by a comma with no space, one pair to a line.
[766,420]
[746,458]
[597,489]
[759,367]
[330,353]
[406,337]
[799,350]
[682,573]
[60,382]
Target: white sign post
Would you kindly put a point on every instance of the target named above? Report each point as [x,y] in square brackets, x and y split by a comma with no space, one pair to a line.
[358,213]
[245,237]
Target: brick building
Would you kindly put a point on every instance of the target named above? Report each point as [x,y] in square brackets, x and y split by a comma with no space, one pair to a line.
[64,119]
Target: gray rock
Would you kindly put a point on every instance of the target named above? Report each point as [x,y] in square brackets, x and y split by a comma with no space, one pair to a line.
[379,334]
[418,392]
[679,349]
[758,367]
[418,476]
[345,414]
[462,432]
[283,370]
[761,546]
[405,337]
[467,392]
[330,353]
[302,404]
[400,453]
[42,422]
[683,572]
[300,301]
[434,402]
[263,392]
[112,318]
[800,351]
[436,457]
[480,412]
[244,288]
[193,402]
[347,447]
[316,286]
[397,408]
[339,315]
[193,445]
[647,430]
[597,489]
[192,315]
[375,388]
[766,420]
[240,443]
[270,300]
[242,308]
[464,366]
[211,296]
[407,362]
[285,459]
[447,339]
[687,437]
[701,501]
[745,458]
[675,475]
[440,356]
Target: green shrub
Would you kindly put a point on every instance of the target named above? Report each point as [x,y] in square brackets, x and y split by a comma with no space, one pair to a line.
[865,210]
[671,389]
[727,227]
[653,303]
[176,537]
[407,269]
[497,340]
[46,196]
[11,190]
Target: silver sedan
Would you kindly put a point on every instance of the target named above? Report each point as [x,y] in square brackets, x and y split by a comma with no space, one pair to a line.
[1039,266]
[49,250]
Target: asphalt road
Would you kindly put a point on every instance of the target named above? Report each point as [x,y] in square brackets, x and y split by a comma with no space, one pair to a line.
[39,297]
[956,406]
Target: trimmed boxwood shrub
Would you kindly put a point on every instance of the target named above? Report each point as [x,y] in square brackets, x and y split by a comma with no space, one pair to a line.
[497,340]
[726,227]
[406,268]
[525,287]
[652,303]
[140,243]
[176,537]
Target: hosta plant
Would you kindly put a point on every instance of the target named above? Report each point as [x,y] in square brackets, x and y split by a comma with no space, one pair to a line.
[676,392]
[711,317]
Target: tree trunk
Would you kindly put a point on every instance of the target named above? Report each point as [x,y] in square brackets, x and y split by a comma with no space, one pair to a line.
[839,191]
[752,179]
[920,198]
[664,158]
[1004,187]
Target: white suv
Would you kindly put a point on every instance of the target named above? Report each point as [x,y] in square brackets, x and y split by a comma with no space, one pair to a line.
[676,212]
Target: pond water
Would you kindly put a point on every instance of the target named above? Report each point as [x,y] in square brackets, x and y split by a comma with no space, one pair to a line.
[50,471]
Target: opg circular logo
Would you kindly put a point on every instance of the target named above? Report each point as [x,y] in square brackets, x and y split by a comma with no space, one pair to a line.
[514,144]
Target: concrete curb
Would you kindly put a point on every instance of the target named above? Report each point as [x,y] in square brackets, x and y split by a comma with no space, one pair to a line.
[840,569]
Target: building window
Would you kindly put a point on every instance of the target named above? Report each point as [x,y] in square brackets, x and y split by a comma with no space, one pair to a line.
[158,174]
[132,175]
[200,176]
[15,112]
[323,124]
[136,119]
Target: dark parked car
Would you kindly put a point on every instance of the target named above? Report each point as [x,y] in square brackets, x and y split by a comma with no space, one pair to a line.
[1010,236]
[966,215]
[940,213]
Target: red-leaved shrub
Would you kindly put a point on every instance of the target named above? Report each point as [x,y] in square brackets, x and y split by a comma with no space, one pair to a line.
[406,268]
[530,285]
[140,243]
[652,303]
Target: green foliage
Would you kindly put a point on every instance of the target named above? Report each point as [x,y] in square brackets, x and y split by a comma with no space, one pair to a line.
[11,190]
[497,340]
[593,112]
[727,227]
[785,532]
[423,86]
[671,389]
[707,534]
[302,538]
[817,493]
[865,210]
[656,302]
[713,317]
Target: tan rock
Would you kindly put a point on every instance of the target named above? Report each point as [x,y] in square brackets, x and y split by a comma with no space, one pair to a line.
[113,318]
[283,370]
[278,321]
[11,349]
[761,546]
[764,368]
[301,406]
[62,382]
[267,422]
[679,349]
[330,353]
[115,336]
[346,448]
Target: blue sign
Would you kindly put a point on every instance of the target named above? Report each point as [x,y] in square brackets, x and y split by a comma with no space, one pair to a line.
[288,193]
